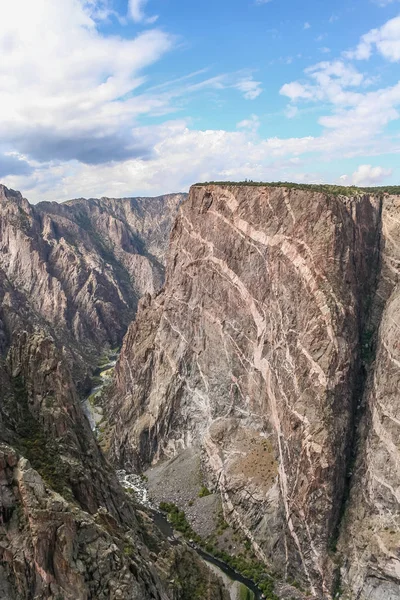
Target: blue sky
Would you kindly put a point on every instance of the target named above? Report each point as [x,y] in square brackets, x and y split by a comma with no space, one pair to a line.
[118,97]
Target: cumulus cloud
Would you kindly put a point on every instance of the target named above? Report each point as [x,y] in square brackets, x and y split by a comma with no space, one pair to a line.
[78,96]
[367,175]
[250,124]
[386,41]
[329,81]
[70,121]
[306,25]
[71,96]
[357,114]
[181,156]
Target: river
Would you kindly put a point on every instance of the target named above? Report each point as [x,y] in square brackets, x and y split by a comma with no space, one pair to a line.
[239,587]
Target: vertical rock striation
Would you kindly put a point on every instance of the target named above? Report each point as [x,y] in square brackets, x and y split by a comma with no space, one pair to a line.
[370,539]
[252,353]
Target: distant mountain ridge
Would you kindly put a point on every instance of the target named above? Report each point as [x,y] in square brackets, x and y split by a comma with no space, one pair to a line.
[70,277]
[80,267]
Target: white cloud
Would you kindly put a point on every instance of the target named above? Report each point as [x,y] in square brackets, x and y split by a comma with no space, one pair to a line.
[329,81]
[206,155]
[250,124]
[136,12]
[306,25]
[356,117]
[295,90]
[386,41]
[251,89]
[58,102]
[70,120]
[367,175]
[62,93]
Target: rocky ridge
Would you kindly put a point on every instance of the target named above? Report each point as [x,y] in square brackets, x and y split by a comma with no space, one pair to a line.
[80,267]
[68,529]
[260,354]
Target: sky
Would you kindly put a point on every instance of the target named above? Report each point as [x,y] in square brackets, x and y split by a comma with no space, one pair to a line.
[145,97]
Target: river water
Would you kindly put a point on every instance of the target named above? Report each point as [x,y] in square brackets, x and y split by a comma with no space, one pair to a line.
[91,404]
[238,586]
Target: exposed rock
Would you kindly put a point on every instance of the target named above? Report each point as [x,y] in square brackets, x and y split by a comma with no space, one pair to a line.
[68,530]
[254,353]
[370,541]
[80,267]
[51,549]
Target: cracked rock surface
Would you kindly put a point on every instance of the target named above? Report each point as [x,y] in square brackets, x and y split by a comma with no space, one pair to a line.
[79,268]
[68,530]
[256,353]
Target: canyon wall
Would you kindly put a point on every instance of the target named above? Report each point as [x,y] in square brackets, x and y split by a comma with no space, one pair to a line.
[80,267]
[68,530]
[259,352]
[370,540]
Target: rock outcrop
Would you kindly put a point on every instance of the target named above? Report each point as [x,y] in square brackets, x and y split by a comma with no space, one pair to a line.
[50,548]
[259,352]
[68,530]
[80,267]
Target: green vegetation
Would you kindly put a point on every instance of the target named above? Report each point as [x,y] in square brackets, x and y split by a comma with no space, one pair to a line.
[251,569]
[204,491]
[36,445]
[103,361]
[178,520]
[335,190]
[245,593]
[129,550]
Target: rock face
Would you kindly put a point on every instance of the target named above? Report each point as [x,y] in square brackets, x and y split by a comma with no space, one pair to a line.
[68,530]
[79,268]
[259,352]
[50,548]
[370,540]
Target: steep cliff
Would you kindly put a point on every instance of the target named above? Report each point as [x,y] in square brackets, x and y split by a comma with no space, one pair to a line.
[68,530]
[259,352]
[79,268]
[370,540]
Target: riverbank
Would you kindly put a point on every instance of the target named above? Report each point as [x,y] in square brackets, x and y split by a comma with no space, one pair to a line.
[239,587]
[102,376]
[180,481]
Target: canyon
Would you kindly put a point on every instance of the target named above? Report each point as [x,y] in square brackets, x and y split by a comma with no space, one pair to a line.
[259,375]
[70,276]
[78,269]
[272,352]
